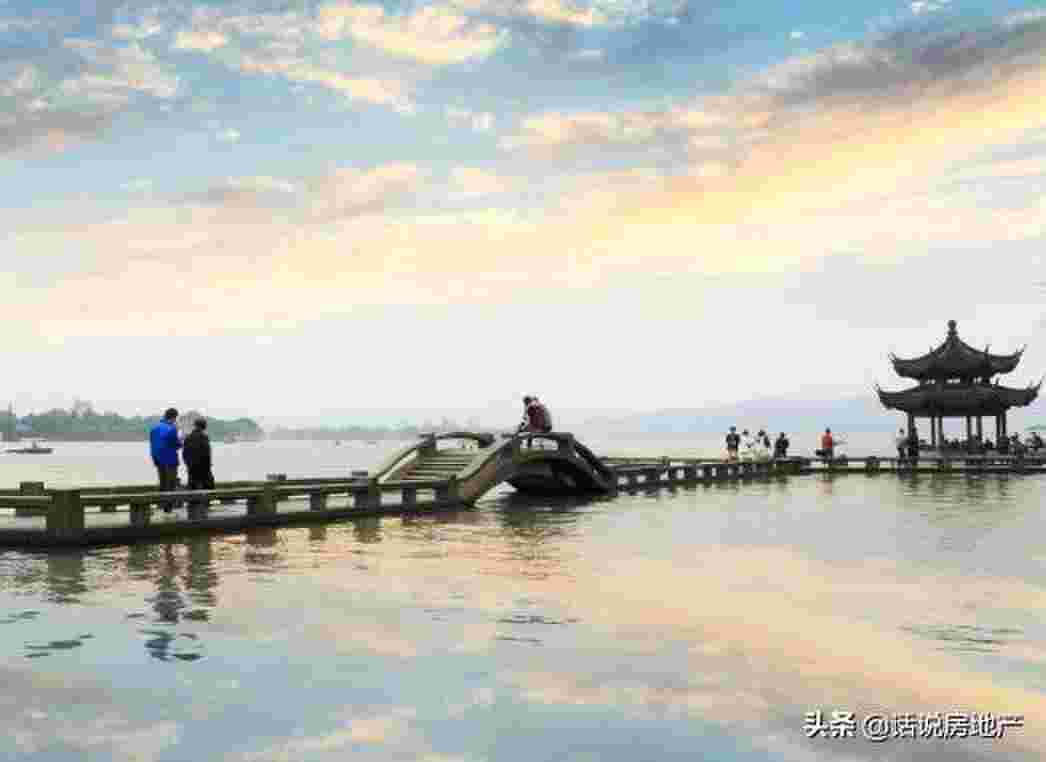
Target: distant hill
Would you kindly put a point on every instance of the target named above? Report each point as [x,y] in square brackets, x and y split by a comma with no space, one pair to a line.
[777,414]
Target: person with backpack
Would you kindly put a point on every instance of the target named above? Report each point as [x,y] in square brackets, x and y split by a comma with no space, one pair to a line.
[733,443]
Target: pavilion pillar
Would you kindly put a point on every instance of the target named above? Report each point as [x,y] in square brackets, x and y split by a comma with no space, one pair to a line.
[980,429]
[1005,428]
[969,432]
[940,431]
[933,431]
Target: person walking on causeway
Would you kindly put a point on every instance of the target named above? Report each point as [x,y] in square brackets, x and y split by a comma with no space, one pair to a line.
[164,444]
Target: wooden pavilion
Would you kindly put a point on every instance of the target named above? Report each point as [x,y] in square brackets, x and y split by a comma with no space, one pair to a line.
[956,381]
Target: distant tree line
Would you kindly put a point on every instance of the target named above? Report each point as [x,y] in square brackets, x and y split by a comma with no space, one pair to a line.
[83,423]
[377,433]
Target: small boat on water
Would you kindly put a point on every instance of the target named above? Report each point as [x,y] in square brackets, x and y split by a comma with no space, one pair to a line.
[33,449]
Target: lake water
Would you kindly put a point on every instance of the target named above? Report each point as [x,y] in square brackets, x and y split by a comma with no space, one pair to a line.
[693,624]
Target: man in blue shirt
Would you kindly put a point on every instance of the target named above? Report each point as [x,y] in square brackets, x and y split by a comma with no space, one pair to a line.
[163,445]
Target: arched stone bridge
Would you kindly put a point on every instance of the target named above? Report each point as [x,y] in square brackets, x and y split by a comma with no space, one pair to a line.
[553,463]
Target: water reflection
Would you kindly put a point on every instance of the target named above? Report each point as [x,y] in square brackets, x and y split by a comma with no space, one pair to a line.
[201,576]
[168,601]
[262,549]
[367,530]
[65,576]
[708,612]
[185,578]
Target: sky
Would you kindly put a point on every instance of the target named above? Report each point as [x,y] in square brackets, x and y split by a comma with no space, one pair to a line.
[327,211]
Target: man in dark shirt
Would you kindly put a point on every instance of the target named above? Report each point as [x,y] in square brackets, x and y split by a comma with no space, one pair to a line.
[781,446]
[733,443]
[196,453]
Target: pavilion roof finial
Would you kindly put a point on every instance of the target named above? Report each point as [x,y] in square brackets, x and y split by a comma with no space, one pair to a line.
[951,328]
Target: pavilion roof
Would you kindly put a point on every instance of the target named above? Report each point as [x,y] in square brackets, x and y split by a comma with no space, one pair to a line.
[958,399]
[954,358]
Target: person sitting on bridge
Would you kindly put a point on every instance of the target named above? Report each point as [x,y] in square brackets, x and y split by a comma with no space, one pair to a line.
[164,444]
[536,418]
[196,452]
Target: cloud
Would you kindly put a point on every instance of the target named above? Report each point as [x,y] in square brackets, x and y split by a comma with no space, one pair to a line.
[115,73]
[558,12]
[140,185]
[147,27]
[383,92]
[478,121]
[560,130]
[433,34]
[351,191]
[783,170]
[473,182]
[587,54]
[50,130]
[554,12]
[206,41]
[896,65]
[258,192]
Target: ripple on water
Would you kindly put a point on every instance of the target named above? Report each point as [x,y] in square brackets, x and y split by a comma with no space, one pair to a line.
[167,646]
[35,651]
[21,616]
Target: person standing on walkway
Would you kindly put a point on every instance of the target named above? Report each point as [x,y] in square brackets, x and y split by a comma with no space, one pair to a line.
[827,445]
[733,443]
[913,445]
[781,445]
[902,444]
[196,453]
[164,444]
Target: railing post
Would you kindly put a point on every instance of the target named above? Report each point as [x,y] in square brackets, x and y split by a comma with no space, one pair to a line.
[276,478]
[690,473]
[264,503]
[565,444]
[31,488]
[141,514]
[449,493]
[197,508]
[410,497]
[652,475]
[369,497]
[65,519]
[317,501]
